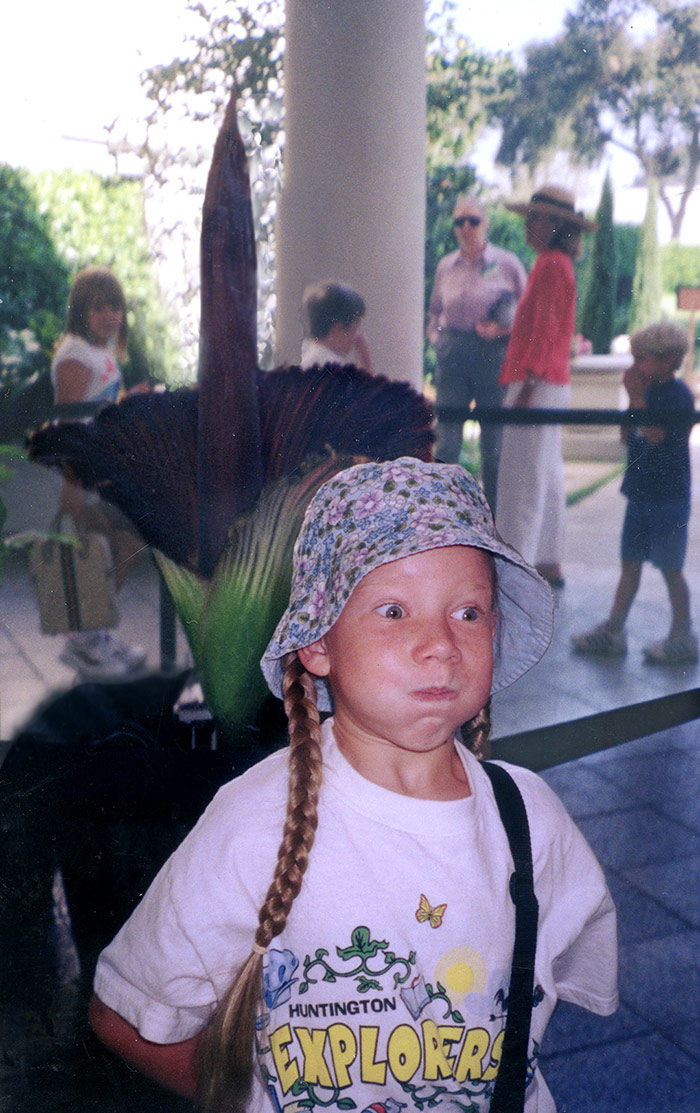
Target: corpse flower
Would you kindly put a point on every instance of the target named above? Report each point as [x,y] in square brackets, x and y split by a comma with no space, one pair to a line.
[217,478]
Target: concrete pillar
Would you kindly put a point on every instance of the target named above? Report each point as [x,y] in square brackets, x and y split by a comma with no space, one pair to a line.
[353,202]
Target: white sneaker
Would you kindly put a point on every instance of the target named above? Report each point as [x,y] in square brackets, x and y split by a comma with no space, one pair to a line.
[98,655]
[601,641]
[679,649]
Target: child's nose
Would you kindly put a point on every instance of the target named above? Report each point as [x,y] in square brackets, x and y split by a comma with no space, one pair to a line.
[437,640]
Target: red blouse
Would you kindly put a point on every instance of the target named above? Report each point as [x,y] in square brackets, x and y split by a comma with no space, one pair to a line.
[544,322]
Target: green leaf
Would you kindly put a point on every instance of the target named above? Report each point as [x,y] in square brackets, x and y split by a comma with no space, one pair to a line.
[361,938]
[189,593]
[248,594]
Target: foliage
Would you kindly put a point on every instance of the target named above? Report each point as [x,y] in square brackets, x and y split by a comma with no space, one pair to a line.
[34,284]
[230,44]
[680,266]
[9,455]
[465,90]
[604,81]
[33,278]
[507,230]
[646,289]
[231,619]
[597,316]
[626,246]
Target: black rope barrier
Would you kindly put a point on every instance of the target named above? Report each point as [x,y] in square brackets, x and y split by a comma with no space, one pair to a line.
[544,747]
[519,416]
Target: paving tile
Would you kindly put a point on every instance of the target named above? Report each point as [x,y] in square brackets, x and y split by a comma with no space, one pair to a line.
[574,1029]
[660,981]
[16,707]
[671,787]
[18,668]
[583,792]
[646,915]
[675,885]
[638,837]
[647,1074]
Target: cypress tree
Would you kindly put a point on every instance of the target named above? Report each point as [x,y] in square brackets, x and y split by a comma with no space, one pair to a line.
[646,289]
[597,322]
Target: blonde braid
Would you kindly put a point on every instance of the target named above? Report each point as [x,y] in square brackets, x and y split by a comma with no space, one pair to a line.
[477,731]
[228,1044]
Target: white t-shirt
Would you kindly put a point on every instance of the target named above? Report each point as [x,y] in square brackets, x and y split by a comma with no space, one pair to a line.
[387,985]
[105,380]
[315,352]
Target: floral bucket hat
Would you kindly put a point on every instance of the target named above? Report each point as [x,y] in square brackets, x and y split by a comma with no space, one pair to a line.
[374,513]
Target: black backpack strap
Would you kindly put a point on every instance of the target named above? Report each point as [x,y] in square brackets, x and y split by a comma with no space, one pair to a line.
[509,1090]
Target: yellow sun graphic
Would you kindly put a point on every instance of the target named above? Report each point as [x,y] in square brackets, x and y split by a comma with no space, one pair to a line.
[461,970]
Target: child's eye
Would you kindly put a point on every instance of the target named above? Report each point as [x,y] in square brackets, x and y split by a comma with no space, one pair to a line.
[391,610]
[467,614]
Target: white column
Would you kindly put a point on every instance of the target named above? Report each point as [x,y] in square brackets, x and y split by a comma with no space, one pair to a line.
[353,202]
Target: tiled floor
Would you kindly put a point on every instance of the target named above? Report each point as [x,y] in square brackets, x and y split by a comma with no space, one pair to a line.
[638,804]
[639,807]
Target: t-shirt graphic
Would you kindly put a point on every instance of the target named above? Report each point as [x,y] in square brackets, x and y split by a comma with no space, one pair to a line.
[366,1021]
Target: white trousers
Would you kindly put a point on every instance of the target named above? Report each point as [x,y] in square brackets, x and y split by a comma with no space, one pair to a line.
[531,503]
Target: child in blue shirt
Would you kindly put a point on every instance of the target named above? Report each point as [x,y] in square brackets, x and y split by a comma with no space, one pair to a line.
[657,486]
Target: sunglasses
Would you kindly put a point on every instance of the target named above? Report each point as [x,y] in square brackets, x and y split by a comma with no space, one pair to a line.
[473,221]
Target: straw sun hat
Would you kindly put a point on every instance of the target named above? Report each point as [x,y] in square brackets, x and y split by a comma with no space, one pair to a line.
[553,200]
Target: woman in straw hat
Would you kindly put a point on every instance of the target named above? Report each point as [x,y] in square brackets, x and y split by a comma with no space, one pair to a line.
[531,504]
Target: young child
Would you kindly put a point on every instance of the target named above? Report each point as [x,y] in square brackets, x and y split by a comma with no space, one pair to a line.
[334,315]
[85,368]
[657,486]
[355,887]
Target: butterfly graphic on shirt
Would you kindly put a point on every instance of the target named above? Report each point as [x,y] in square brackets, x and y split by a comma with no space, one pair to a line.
[426,913]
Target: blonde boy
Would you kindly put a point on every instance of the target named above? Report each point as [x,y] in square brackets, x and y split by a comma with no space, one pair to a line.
[657,486]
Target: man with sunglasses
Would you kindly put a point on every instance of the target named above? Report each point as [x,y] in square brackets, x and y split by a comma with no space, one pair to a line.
[470,316]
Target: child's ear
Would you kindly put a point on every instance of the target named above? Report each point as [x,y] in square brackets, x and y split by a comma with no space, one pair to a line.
[315,658]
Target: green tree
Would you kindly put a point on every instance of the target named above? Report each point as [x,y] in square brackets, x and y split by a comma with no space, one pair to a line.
[597,317]
[34,279]
[680,266]
[606,79]
[646,290]
[34,284]
[466,89]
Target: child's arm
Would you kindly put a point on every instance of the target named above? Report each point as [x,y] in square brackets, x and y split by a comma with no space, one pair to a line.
[72,378]
[172,1065]
[636,386]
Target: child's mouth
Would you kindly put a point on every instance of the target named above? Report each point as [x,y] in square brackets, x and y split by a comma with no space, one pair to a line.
[435,694]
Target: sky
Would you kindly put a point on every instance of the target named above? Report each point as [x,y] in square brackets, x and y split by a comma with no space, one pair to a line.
[59,88]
